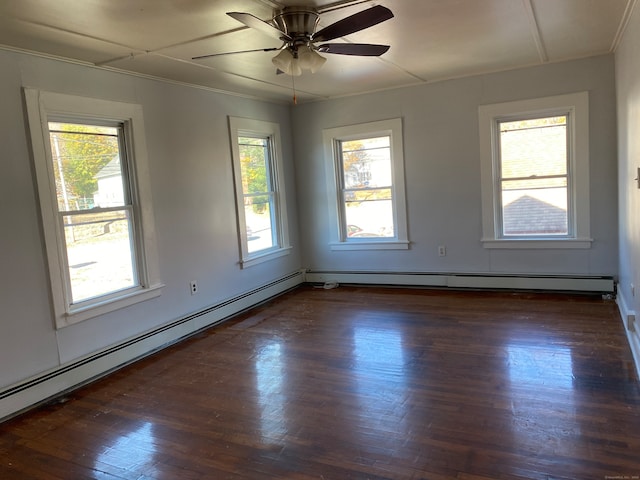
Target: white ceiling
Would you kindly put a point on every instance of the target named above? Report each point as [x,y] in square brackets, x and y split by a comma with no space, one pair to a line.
[430,39]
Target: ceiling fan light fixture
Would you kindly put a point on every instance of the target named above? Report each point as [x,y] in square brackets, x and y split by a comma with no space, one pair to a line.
[293,62]
[287,63]
[309,59]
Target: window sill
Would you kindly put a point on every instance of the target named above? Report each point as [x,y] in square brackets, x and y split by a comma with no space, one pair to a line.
[85,312]
[264,257]
[371,245]
[533,244]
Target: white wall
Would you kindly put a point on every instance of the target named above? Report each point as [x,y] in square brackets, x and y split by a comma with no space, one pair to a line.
[628,103]
[442,167]
[192,186]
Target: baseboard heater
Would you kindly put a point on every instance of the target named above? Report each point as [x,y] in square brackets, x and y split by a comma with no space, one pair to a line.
[41,388]
[631,326]
[594,284]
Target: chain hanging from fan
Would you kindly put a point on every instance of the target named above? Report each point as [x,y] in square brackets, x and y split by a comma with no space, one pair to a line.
[302,45]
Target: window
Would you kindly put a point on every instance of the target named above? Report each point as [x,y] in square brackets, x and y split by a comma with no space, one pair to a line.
[92,183]
[260,195]
[533,177]
[535,173]
[368,177]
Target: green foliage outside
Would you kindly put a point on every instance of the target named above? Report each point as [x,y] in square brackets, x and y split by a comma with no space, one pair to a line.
[357,174]
[354,161]
[79,153]
[254,172]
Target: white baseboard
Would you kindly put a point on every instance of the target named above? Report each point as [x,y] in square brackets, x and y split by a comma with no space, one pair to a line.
[633,335]
[26,394]
[481,281]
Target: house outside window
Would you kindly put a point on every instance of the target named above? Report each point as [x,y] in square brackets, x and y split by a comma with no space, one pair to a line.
[99,237]
[366,185]
[535,173]
[367,178]
[534,177]
[260,194]
[92,182]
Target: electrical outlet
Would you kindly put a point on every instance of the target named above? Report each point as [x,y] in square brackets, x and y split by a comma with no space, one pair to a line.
[631,323]
[442,251]
[193,286]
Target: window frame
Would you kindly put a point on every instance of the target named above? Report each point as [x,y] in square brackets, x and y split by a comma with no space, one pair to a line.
[576,107]
[332,138]
[43,107]
[245,127]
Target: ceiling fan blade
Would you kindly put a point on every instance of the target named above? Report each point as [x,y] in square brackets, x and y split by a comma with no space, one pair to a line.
[233,53]
[361,49]
[252,21]
[354,23]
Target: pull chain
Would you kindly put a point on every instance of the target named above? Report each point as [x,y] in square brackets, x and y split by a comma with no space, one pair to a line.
[293,86]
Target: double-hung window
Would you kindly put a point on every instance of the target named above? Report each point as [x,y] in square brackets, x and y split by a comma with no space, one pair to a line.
[535,173]
[533,177]
[260,194]
[92,181]
[368,177]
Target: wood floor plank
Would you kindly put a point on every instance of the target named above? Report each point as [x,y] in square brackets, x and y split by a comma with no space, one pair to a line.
[359,383]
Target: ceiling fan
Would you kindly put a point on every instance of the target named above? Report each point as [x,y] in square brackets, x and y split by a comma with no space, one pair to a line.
[296,28]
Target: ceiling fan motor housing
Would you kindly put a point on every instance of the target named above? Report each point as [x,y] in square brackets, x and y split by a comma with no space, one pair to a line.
[298,23]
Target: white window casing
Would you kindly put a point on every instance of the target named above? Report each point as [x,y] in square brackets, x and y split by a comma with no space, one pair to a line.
[576,107]
[41,108]
[244,127]
[332,138]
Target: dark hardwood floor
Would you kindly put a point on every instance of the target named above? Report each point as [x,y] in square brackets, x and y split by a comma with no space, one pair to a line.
[359,383]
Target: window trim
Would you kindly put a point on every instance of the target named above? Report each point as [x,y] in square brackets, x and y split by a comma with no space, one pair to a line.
[576,106]
[40,107]
[331,139]
[259,128]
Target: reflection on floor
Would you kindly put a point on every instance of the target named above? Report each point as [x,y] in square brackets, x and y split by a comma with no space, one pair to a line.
[359,383]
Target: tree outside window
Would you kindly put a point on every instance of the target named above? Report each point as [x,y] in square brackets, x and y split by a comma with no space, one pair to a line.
[94,208]
[367,187]
[260,194]
[257,191]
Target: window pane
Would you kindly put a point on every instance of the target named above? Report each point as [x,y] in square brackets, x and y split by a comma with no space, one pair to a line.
[86,166]
[367,162]
[259,223]
[253,164]
[535,210]
[369,213]
[367,177]
[258,194]
[366,143]
[536,147]
[533,152]
[355,196]
[100,253]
